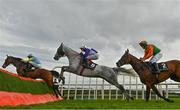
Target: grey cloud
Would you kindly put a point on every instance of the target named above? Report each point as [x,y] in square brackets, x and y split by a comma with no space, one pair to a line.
[110,26]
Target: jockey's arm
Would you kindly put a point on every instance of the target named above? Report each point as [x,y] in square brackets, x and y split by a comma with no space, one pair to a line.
[86,52]
[25,59]
[148,52]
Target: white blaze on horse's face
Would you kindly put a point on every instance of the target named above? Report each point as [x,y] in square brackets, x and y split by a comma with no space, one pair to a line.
[59,53]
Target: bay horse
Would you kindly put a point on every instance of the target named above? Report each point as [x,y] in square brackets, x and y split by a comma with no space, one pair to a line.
[147,76]
[75,66]
[44,74]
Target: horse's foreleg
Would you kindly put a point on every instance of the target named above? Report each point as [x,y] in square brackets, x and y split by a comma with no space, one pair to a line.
[147,92]
[54,89]
[63,69]
[57,89]
[157,92]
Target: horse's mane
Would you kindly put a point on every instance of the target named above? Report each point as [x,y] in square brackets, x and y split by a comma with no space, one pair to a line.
[138,60]
[73,51]
[16,58]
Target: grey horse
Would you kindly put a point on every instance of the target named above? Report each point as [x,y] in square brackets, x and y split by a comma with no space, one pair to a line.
[104,72]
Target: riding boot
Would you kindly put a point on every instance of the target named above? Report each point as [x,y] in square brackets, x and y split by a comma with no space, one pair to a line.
[28,67]
[85,63]
[156,67]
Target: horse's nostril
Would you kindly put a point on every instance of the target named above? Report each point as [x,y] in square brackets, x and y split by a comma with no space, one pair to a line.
[117,64]
[55,58]
[3,66]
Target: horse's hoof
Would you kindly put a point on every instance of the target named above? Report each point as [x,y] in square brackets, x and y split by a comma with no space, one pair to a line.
[131,98]
[171,101]
[168,100]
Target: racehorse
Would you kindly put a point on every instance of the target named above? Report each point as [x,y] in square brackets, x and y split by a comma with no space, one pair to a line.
[46,75]
[75,66]
[148,77]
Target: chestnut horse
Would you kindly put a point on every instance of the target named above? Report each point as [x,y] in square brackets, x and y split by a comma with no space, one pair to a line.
[44,74]
[148,77]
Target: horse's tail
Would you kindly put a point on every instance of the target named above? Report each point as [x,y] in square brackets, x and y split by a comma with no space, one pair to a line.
[128,71]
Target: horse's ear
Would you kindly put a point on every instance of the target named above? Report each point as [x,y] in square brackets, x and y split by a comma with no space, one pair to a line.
[62,44]
[127,51]
[7,55]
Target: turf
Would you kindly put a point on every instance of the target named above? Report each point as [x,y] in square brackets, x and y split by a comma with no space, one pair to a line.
[14,84]
[105,104]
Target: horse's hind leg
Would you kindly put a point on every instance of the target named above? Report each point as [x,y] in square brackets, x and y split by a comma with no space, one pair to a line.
[113,80]
[157,92]
[123,91]
[175,78]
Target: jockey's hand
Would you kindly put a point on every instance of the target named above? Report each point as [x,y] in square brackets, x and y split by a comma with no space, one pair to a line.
[81,53]
[142,59]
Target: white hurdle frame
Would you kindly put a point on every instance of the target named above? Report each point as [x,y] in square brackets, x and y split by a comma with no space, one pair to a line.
[94,88]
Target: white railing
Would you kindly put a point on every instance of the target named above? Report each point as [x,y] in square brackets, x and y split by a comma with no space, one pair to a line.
[77,87]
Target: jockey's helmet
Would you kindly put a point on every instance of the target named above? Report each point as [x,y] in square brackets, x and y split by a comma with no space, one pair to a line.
[143,44]
[30,55]
[83,47]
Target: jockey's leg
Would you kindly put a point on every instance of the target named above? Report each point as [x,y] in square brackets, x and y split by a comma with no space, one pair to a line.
[153,61]
[28,67]
[93,57]
[155,58]
[35,65]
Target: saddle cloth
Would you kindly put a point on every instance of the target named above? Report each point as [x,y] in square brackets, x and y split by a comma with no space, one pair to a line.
[162,66]
[91,65]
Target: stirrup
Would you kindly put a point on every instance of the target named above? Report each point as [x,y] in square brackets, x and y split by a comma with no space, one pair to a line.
[157,77]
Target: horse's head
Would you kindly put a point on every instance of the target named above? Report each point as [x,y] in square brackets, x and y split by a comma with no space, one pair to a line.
[8,61]
[125,59]
[60,52]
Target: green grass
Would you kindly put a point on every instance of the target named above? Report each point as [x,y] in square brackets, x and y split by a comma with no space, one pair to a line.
[14,84]
[104,104]
[9,83]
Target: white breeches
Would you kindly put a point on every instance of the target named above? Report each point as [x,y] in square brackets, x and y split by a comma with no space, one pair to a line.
[155,58]
[93,57]
[35,65]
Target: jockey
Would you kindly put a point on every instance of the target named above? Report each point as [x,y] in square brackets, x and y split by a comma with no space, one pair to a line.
[32,60]
[88,55]
[152,51]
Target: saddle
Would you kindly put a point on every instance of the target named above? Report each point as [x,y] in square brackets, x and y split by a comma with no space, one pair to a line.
[158,67]
[88,64]
[29,67]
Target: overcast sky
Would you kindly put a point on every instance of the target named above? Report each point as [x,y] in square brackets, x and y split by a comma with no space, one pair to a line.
[110,26]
